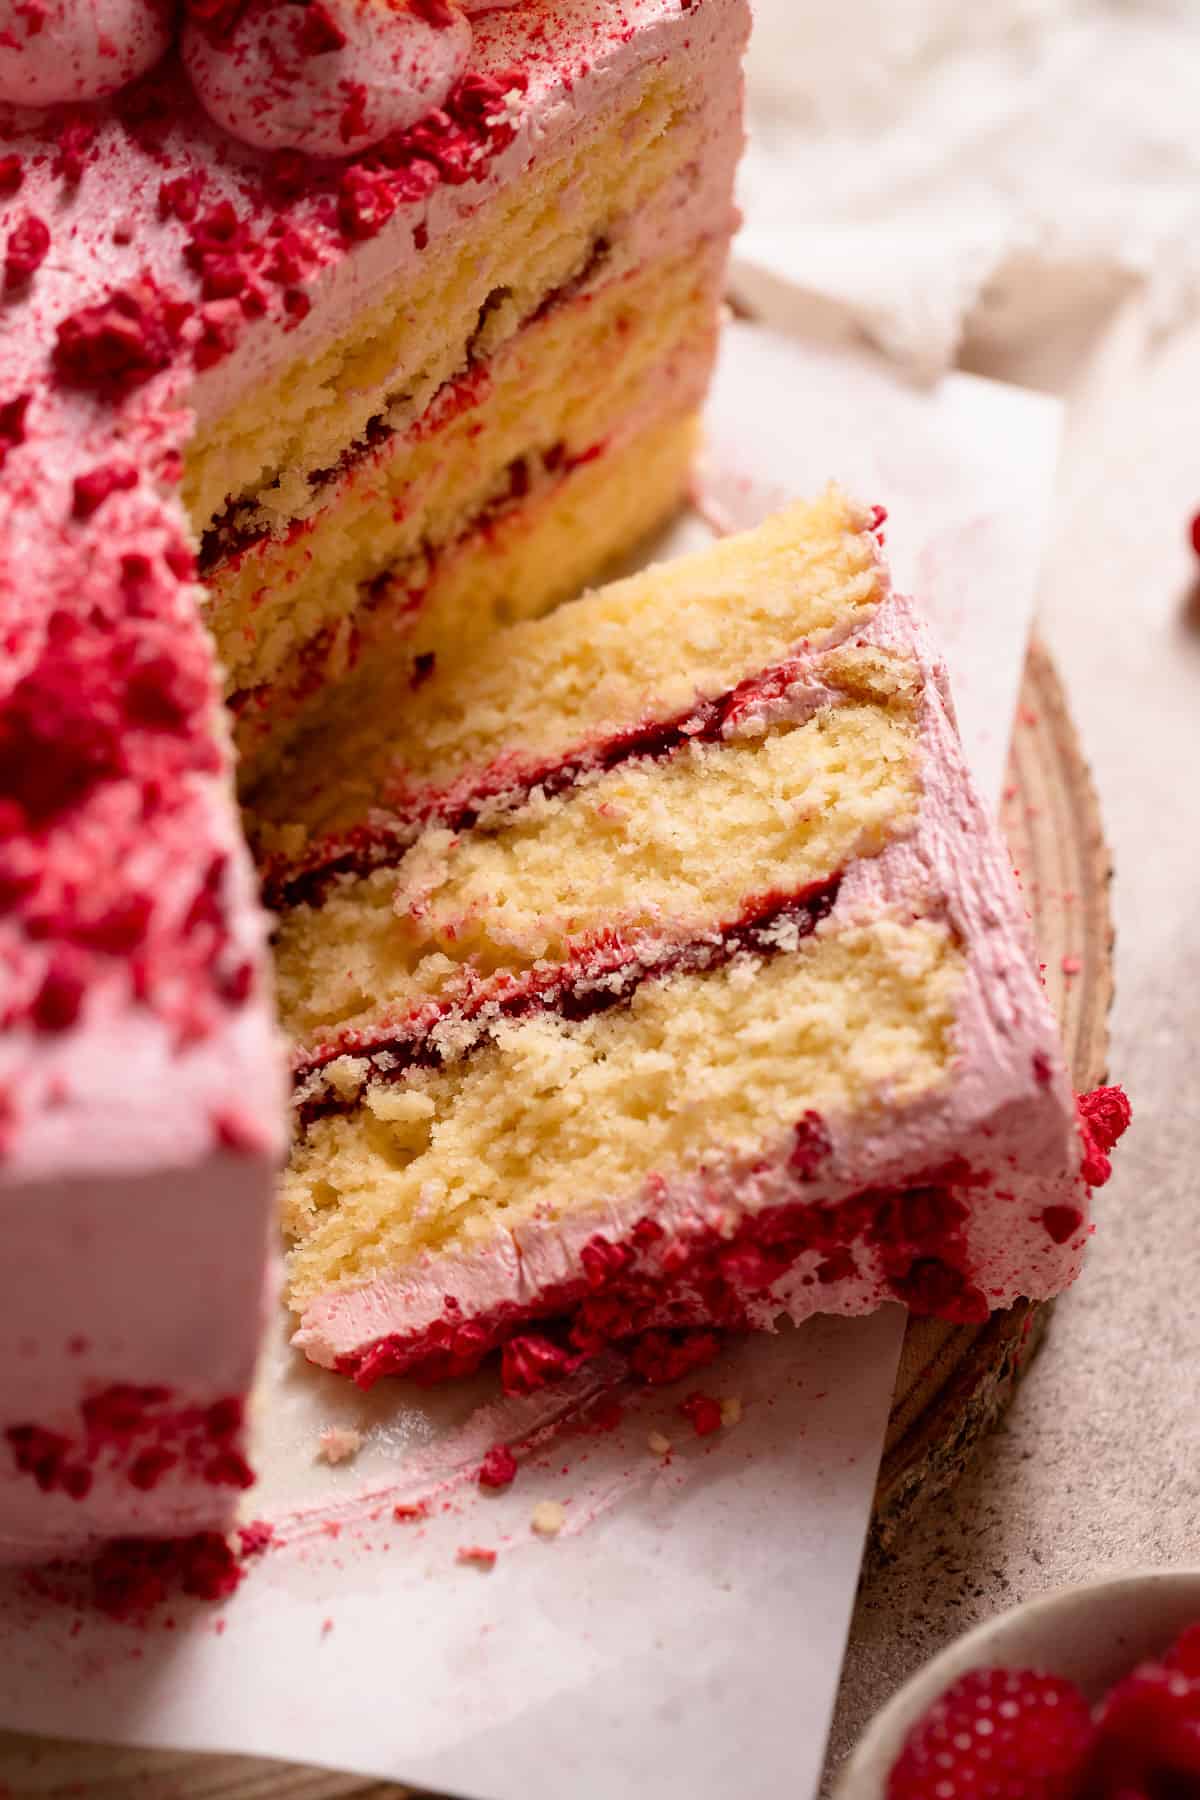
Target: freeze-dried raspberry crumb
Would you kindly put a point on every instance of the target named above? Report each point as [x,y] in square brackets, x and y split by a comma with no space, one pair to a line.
[131,1576]
[997,1734]
[1104,1116]
[320,32]
[931,1288]
[703,1412]
[255,1538]
[1108,1114]
[366,201]
[26,250]
[661,1357]
[59,1000]
[12,174]
[1062,1222]
[75,139]
[12,424]
[498,1468]
[531,1362]
[93,489]
[119,343]
[180,198]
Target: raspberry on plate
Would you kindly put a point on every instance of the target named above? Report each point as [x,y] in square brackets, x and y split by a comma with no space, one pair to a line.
[998,1734]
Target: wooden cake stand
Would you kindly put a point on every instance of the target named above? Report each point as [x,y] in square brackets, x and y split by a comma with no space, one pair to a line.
[954,1381]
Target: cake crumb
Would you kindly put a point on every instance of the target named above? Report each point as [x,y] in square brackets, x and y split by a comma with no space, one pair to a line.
[548,1518]
[339,1444]
[731,1410]
[477,1556]
[660,1445]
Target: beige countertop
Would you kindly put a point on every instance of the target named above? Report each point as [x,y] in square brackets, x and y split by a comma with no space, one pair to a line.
[1097,1467]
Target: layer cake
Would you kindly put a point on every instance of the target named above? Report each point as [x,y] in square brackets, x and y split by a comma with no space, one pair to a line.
[658,970]
[415,347]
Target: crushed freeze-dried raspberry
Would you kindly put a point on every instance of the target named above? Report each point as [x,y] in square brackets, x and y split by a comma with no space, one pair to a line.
[114,346]
[703,1412]
[93,489]
[26,250]
[1062,1222]
[498,1468]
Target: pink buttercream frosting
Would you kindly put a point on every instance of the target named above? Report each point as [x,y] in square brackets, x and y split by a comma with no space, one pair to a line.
[56,51]
[329,79]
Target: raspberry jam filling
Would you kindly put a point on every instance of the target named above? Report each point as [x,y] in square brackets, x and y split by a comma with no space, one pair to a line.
[512,779]
[600,977]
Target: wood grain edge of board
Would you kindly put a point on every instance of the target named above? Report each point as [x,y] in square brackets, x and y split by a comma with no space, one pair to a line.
[956,1382]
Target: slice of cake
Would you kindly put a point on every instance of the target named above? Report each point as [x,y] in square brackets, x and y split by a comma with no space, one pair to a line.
[657,970]
[399,319]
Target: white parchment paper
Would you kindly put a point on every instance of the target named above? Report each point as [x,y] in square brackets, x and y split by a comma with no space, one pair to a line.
[681,1635]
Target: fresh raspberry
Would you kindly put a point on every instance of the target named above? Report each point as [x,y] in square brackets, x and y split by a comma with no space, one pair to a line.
[1185,1652]
[1149,1730]
[998,1734]
[1195,534]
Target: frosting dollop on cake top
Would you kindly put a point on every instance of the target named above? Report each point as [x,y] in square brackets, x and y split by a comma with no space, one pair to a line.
[330,77]
[73,50]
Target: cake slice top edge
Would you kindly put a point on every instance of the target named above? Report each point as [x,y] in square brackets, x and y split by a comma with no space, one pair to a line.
[600,676]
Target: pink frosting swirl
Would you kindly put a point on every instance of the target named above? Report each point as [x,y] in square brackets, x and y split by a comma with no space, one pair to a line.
[70,50]
[330,77]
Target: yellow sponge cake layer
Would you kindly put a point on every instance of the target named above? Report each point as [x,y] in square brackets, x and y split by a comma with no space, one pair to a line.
[522,559]
[497,437]
[660,851]
[553,1117]
[571,214]
[651,647]
[559,318]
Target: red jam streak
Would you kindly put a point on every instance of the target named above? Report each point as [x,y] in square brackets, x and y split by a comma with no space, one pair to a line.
[512,779]
[599,978]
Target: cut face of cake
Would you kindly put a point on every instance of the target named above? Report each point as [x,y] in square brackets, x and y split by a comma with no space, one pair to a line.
[657,970]
[272,424]
[497,393]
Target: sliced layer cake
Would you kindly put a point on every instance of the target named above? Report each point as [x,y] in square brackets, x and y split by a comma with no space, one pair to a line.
[656,969]
[346,329]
